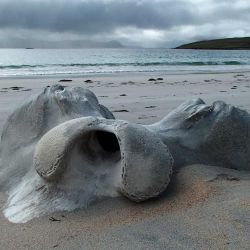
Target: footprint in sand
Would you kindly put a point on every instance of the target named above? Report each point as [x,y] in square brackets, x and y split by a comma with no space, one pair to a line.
[26,89]
[130,82]
[142,117]
[238,75]
[4,90]
[146,117]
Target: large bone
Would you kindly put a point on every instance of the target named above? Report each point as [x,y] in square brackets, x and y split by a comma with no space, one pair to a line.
[140,160]
[216,134]
[79,159]
[31,120]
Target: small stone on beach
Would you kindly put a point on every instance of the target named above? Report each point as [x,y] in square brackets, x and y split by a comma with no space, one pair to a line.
[150,107]
[65,80]
[88,81]
[16,88]
[120,110]
[54,219]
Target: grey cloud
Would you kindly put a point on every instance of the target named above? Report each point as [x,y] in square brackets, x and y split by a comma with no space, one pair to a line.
[223,10]
[109,19]
[93,16]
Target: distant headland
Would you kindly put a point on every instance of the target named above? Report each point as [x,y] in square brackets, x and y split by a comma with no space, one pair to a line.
[222,44]
[24,43]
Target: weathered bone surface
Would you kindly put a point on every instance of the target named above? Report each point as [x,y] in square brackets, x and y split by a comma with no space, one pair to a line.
[140,161]
[60,151]
[217,134]
[34,118]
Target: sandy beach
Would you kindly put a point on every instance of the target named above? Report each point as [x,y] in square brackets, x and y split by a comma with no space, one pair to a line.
[205,207]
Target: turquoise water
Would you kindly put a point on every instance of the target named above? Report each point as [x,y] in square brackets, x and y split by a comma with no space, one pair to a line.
[50,62]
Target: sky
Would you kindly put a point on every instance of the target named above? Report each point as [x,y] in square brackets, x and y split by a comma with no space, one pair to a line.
[143,23]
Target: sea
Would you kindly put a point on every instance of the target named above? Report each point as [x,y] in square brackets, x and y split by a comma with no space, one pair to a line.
[83,62]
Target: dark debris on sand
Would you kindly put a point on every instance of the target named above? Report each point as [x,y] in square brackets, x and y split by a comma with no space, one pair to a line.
[153,79]
[150,107]
[65,80]
[54,219]
[120,110]
[88,81]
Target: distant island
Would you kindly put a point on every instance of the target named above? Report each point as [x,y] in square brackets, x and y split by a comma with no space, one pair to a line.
[62,44]
[222,44]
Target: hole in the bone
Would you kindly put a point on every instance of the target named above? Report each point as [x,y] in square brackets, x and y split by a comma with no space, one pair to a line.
[108,141]
[101,145]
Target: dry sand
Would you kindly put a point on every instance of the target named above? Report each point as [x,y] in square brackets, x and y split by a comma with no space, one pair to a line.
[204,207]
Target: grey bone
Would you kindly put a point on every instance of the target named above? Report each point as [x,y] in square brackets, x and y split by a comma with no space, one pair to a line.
[65,135]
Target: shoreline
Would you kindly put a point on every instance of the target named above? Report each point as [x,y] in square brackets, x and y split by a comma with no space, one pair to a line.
[122,74]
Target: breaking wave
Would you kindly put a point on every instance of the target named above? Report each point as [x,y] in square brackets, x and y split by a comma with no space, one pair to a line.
[51,62]
[184,63]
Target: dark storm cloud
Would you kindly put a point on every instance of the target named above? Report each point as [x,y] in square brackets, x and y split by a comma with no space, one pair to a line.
[140,22]
[93,16]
